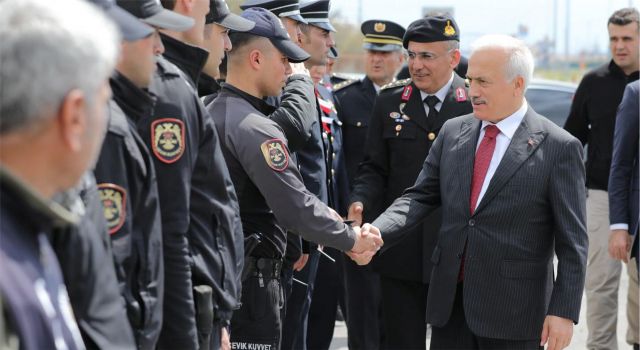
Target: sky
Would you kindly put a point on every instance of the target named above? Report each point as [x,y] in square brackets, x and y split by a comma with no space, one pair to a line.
[587,18]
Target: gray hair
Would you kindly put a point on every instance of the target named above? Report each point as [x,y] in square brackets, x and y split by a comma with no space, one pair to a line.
[49,48]
[520,59]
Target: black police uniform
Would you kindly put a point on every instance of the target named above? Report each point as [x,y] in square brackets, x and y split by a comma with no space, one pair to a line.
[400,136]
[30,270]
[86,262]
[129,192]
[272,196]
[199,209]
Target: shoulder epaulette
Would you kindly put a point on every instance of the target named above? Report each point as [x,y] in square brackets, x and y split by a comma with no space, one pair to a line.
[344,84]
[403,82]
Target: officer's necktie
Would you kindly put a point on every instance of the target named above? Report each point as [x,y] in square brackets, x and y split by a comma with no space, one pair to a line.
[480,168]
[431,101]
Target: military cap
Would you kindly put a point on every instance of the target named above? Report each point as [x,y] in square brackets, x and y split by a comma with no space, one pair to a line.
[219,13]
[270,27]
[280,8]
[430,29]
[317,14]
[152,13]
[382,35]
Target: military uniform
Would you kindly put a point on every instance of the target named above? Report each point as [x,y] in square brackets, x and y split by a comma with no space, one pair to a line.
[132,209]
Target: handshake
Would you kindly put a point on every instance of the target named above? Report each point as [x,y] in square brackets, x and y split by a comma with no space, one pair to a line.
[368,242]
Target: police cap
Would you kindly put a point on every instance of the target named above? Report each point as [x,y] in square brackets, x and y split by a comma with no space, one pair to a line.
[280,8]
[317,14]
[219,13]
[430,29]
[152,13]
[382,35]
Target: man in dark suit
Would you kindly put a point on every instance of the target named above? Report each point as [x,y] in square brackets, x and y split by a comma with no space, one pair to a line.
[406,119]
[354,101]
[511,187]
[623,197]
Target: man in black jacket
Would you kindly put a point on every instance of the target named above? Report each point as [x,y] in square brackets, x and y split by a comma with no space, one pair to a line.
[407,117]
[592,120]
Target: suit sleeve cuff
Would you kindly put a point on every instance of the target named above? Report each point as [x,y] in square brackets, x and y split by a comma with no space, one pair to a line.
[619,227]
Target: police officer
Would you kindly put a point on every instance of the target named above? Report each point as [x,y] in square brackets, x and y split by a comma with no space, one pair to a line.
[406,119]
[50,134]
[354,103]
[269,186]
[201,227]
[130,193]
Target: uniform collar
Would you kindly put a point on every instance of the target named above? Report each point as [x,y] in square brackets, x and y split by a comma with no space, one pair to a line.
[136,103]
[42,212]
[207,85]
[442,93]
[190,59]
[257,103]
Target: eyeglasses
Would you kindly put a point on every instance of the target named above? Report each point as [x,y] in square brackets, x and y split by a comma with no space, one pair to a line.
[426,56]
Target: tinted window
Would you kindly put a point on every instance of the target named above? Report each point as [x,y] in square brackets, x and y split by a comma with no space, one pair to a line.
[552,104]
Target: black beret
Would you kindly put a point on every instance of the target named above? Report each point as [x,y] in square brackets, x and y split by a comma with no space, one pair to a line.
[430,29]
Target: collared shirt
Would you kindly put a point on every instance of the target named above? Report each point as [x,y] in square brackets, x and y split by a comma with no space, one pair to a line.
[507,127]
[256,102]
[377,87]
[440,94]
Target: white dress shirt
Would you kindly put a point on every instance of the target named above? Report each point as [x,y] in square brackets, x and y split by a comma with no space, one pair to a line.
[376,87]
[440,94]
[507,127]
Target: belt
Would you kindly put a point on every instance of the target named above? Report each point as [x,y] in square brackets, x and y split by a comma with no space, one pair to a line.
[263,267]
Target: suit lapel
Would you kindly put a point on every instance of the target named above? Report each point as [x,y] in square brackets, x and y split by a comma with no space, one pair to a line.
[415,109]
[524,143]
[368,91]
[469,131]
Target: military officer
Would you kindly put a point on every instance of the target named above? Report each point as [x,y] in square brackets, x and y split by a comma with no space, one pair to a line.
[406,119]
[268,184]
[354,103]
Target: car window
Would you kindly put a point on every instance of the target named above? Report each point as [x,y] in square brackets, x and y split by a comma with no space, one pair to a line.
[552,104]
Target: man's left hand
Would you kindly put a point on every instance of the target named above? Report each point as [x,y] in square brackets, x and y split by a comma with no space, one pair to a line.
[619,244]
[225,341]
[557,331]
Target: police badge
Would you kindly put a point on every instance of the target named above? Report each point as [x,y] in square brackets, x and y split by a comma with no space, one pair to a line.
[167,139]
[275,153]
[114,201]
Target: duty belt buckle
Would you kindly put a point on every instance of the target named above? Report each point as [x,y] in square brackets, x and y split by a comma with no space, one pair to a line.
[260,265]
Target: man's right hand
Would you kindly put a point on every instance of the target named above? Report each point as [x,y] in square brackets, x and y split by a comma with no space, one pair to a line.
[365,257]
[355,213]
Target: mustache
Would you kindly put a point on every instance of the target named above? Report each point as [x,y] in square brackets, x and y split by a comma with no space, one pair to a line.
[477,100]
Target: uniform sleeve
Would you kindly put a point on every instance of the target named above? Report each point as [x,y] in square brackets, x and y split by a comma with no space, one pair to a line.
[369,183]
[265,157]
[296,113]
[577,123]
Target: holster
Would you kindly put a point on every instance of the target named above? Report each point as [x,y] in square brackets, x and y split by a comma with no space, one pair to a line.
[203,300]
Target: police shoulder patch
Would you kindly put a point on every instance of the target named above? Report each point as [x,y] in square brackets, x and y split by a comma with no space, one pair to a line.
[114,201]
[275,153]
[344,84]
[167,139]
[403,82]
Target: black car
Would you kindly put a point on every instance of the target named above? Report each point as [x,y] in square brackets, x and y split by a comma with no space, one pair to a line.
[551,98]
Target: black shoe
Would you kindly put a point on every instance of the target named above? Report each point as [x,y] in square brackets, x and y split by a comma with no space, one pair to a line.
[636,346]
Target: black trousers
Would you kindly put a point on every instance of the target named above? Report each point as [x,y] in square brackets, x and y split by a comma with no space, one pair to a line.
[327,295]
[257,323]
[363,302]
[457,335]
[404,306]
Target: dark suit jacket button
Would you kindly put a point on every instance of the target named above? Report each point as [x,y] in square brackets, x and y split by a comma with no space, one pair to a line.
[472,222]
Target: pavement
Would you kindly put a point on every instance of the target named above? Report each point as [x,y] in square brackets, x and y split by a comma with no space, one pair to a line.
[578,342]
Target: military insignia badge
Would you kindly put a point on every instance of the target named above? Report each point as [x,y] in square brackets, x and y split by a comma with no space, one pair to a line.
[167,139]
[114,202]
[394,115]
[275,153]
[401,107]
[406,93]
[379,27]
[449,30]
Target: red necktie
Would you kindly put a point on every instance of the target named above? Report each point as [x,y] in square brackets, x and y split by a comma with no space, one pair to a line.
[480,168]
